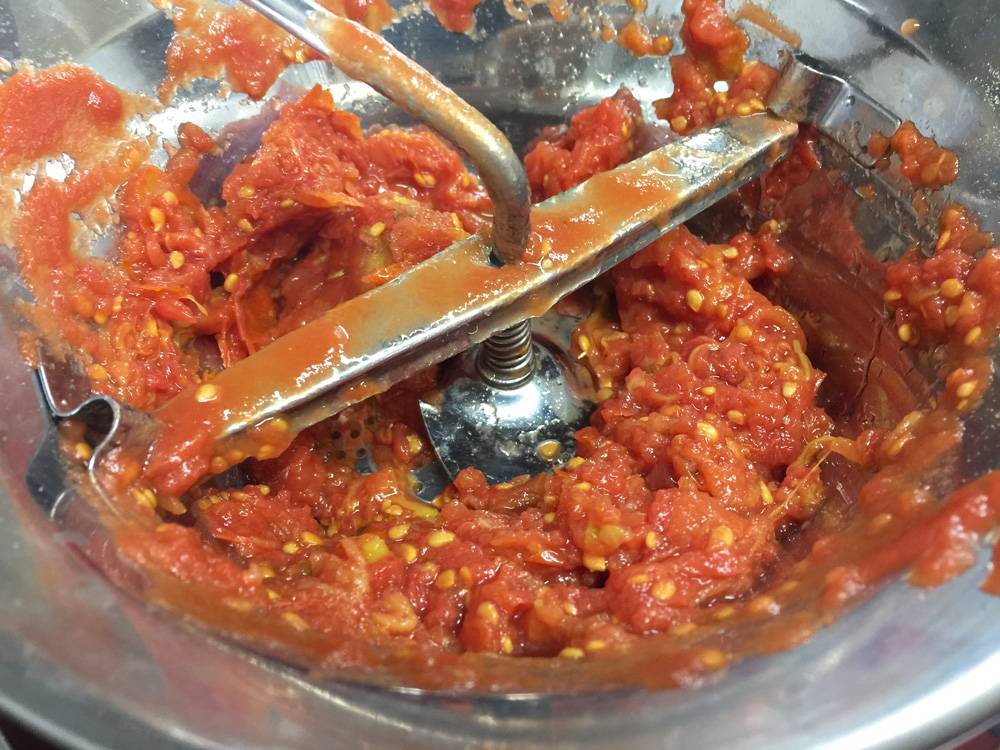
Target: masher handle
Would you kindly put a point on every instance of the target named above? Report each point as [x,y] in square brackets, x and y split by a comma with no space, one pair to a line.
[367,57]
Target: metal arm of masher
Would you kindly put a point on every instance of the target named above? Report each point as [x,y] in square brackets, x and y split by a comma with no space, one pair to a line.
[459,297]
[434,311]
[509,358]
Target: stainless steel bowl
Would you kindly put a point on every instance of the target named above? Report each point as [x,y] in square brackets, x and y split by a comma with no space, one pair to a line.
[87,664]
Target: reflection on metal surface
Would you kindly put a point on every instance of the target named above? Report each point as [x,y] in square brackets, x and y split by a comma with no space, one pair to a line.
[107,424]
[848,117]
[507,432]
[507,359]
[843,112]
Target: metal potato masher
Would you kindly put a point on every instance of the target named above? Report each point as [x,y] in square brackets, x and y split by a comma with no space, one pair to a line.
[508,404]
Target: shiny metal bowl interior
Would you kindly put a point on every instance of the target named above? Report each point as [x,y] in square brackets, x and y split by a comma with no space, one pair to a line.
[93,667]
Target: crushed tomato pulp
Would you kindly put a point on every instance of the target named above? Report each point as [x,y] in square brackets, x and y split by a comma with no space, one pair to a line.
[727,498]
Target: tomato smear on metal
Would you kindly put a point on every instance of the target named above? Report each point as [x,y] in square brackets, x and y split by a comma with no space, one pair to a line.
[704,517]
[213,39]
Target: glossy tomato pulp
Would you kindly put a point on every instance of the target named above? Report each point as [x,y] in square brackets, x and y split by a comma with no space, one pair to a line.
[728,498]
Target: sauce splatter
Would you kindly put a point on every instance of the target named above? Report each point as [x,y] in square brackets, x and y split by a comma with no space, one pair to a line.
[637,39]
[212,40]
[923,162]
[750,11]
[910,27]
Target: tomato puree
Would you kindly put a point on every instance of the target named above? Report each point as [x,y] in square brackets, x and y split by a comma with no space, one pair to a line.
[745,477]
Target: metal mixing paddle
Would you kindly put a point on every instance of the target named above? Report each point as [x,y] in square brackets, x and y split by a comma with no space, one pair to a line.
[477,288]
